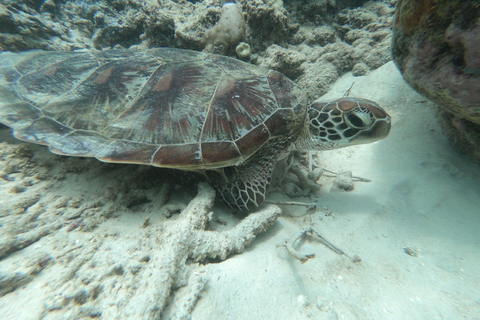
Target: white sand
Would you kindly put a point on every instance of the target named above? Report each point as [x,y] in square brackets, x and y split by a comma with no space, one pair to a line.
[423,195]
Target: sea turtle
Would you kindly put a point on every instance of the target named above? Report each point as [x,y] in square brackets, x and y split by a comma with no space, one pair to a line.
[181,109]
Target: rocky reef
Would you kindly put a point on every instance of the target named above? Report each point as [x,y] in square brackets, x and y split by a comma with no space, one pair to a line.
[436,46]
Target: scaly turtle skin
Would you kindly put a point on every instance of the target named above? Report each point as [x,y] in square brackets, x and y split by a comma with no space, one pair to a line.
[177,109]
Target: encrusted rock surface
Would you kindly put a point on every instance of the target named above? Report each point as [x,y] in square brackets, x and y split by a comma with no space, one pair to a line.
[436,46]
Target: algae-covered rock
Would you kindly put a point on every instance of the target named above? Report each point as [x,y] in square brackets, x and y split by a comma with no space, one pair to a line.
[436,46]
[227,31]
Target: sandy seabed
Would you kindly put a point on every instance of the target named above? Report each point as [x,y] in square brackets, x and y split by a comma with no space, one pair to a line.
[71,253]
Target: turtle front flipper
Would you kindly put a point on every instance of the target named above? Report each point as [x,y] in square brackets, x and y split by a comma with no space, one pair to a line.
[244,187]
[247,191]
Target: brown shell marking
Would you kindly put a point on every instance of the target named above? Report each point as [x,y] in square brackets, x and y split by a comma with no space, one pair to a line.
[102,96]
[171,106]
[38,87]
[237,106]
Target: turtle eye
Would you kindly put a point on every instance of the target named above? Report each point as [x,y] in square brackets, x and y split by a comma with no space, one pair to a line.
[359,120]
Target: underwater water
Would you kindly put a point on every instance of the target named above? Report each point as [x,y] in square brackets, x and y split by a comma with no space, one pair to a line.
[385,230]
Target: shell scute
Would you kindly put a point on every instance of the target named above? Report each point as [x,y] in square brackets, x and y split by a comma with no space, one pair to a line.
[53,80]
[20,114]
[171,107]
[8,74]
[175,55]
[102,95]
[42,131]
[286,92]
[281,122]
[127,152]
[178,156]
[79,143]
[239,105]
[218,153]
[34,61]
[253,140]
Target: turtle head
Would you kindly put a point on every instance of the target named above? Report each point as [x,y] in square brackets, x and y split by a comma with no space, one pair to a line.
[346,122]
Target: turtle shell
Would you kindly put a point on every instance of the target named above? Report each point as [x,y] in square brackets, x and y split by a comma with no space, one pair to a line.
[162,107]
